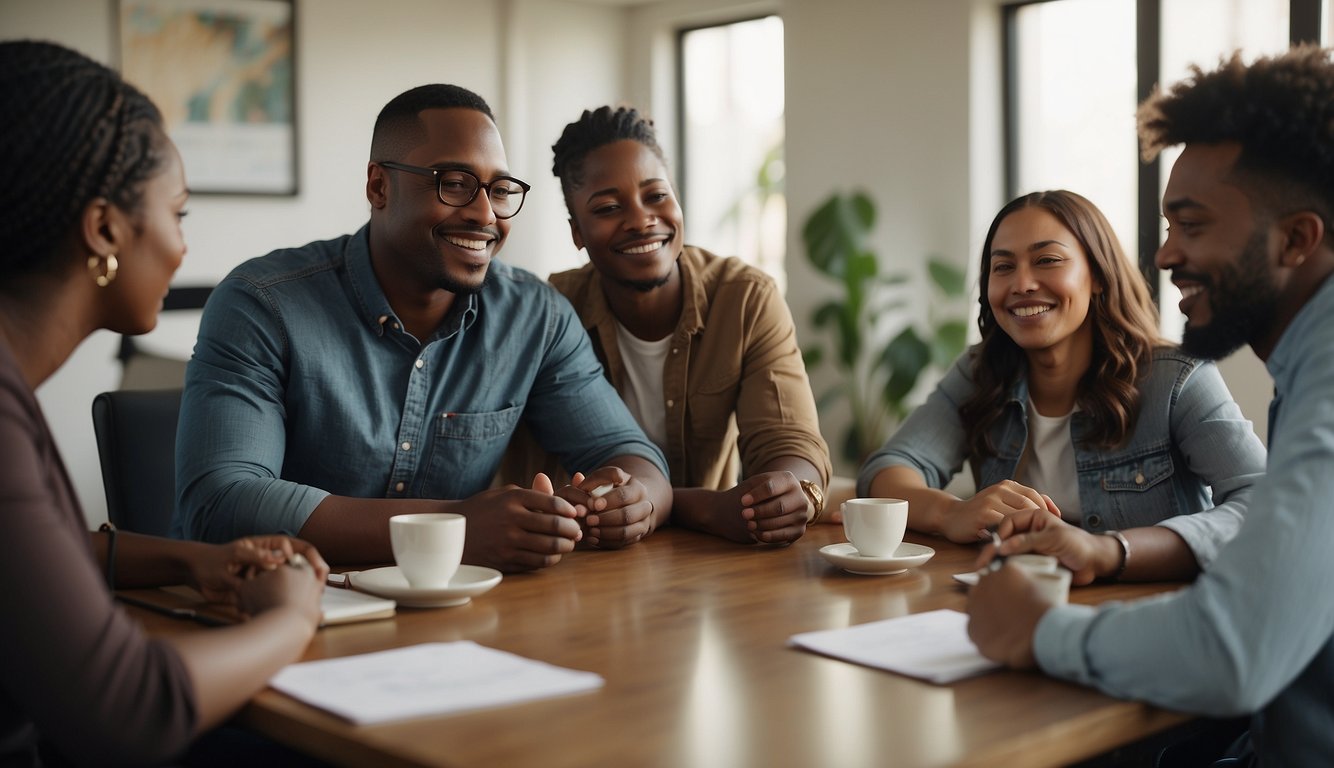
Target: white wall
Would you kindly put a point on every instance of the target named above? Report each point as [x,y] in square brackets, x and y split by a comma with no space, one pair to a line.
[897,97]
[352,57]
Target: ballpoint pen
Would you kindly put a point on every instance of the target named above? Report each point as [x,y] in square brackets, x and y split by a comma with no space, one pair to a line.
[997,560]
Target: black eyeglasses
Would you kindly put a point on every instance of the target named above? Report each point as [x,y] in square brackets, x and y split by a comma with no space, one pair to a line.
[457,187]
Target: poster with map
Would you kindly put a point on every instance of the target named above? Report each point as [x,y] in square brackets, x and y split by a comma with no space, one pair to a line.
[222,72]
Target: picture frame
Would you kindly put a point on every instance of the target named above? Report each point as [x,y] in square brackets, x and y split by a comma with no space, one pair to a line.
[223,72]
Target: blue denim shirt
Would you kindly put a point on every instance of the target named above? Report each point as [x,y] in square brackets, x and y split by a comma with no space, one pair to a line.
[1256,631]
[1189,464]
[304,384]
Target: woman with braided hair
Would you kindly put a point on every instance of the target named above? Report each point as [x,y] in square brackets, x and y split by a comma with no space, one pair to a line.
[91,213]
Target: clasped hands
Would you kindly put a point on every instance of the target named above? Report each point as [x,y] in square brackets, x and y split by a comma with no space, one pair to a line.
[522,529]
[1005,607]
[250,574]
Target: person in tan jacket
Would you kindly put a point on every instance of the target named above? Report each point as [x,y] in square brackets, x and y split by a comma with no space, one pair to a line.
[701,348]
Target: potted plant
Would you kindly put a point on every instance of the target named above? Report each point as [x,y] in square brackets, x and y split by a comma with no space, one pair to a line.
[875,380]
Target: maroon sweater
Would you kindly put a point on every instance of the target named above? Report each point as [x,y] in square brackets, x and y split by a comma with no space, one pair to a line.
[75,671]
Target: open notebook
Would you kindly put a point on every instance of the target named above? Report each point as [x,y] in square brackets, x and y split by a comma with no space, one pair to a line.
[341,606]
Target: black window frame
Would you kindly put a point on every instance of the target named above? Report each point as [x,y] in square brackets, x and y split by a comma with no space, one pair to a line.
[1304,20]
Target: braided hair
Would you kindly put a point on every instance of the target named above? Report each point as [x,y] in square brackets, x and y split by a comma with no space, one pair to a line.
[71,131]
[595,129]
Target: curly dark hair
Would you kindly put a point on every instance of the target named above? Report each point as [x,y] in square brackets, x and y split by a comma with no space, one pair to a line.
[1125,331]
[593,129]
[71,131]
[1280,109]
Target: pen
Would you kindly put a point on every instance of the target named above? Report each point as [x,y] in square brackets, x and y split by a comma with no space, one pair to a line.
[997,560]
[175,613]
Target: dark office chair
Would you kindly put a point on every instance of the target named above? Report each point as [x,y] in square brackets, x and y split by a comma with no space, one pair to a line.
[136,442]
[144,369]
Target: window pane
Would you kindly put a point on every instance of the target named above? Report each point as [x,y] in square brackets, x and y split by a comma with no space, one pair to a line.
[733,139]
[1202,32]
[1074,104]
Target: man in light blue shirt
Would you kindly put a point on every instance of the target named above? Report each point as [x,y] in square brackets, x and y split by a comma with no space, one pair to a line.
[383,372]
[1250,204]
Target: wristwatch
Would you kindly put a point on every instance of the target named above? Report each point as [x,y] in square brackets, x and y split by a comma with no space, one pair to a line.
[815,493]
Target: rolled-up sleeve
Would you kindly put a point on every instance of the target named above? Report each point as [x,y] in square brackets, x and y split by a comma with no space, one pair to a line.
[231,439]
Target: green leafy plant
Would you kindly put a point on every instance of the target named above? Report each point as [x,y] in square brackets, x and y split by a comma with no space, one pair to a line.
[875,380]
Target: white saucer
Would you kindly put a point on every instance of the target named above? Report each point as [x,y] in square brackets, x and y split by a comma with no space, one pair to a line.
[389,582]
[906,556]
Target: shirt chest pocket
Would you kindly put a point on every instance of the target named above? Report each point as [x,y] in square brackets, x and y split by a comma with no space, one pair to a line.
[465,451]
[1140,490]
[713,402]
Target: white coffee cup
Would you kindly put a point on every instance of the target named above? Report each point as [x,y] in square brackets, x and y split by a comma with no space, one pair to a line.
[1033,563]
[427,547]
[875,526]
[1053,585]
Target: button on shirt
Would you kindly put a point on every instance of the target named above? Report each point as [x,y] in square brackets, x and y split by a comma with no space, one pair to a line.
[304,384]
[1256,631]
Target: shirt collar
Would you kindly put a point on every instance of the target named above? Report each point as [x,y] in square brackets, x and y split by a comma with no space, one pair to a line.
[374,307]
[1317,310]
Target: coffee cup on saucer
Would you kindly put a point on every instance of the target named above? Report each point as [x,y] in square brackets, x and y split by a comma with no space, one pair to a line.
[428,547]
[875,526]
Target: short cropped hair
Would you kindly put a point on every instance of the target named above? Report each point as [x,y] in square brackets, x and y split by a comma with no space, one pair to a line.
[595,129]
[397,128]
[1280,109]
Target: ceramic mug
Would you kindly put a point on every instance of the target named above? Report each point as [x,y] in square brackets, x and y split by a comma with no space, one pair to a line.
[875,526]
[1053,585]
[427,547]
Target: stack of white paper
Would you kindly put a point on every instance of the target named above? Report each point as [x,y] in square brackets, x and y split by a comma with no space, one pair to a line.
[426,680]
[933,646]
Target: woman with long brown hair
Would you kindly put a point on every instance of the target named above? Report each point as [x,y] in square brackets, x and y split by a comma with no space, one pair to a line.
[1073,403]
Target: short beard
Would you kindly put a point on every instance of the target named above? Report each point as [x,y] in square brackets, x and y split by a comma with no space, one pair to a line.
[644,286]
[1243,301]
[452,285]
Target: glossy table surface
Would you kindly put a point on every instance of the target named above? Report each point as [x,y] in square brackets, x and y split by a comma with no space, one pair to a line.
[690,633]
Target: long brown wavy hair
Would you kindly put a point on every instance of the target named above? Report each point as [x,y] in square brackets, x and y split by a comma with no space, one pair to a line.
[1125,332]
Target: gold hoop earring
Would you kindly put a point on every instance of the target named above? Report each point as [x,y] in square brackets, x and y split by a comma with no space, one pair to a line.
[104,279]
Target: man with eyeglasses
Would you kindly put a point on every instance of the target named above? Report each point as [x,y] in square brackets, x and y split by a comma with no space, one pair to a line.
[383,372]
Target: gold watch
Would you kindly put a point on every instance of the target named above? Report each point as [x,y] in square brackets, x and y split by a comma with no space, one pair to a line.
[815,493]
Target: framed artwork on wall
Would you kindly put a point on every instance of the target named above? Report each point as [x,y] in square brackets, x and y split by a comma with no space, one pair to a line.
[223,72]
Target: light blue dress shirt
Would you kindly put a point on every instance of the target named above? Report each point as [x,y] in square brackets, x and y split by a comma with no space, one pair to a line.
[304,384]
[1188,465]
[1254,633]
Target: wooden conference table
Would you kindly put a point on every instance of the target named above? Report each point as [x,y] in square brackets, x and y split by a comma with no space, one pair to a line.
[690,633]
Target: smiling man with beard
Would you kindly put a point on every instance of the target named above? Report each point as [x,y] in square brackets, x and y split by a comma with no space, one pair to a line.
[701,348]
[383,372]
[1250,206]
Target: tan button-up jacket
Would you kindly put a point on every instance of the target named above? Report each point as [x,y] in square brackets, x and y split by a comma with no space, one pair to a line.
[734,385]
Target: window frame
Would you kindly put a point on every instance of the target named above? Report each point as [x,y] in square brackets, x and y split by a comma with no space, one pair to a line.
[1304,22]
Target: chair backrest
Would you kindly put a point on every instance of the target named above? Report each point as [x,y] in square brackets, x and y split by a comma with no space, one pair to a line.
[136,442]
[145,369]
